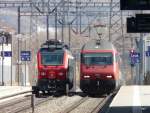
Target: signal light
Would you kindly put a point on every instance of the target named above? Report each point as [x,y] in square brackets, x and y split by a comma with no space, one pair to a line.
[132,51]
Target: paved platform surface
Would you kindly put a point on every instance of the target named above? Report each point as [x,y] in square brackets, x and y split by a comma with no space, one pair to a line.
[131,99]
[6,91]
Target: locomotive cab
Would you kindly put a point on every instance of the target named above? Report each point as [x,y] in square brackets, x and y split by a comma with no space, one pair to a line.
[55,70]
[99,69]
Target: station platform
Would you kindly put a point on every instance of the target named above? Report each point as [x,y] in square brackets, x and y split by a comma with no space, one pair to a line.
[131,99]
[9,91]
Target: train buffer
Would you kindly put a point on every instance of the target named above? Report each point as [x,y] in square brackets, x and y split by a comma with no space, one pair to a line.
[131,99]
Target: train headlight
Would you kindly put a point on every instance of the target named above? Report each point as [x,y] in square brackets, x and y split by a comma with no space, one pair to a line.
[60,73]
[43,73]
[109,76]
[86,76]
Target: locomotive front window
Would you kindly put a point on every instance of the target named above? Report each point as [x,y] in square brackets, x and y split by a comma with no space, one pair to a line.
[52,58]
[97,58]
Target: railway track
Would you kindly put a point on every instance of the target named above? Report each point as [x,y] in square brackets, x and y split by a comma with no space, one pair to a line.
[23,104]
[75,105]
[101,104]
[93,108]
[14,101]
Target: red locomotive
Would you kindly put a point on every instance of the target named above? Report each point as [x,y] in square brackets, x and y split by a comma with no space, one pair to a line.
[99,69]
[55,68]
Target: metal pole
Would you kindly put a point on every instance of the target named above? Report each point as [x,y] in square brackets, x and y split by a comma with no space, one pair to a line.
[145,60]
[69,34]
[138,44]
[25,66]
[80,20]
[123,42]
[142,57]
[47,27]
[89,27]
[132,68]
[18,42]
[77,16]
[32,102]
[140,68]
[89,32]
[3,61]
[11,60]
[110,20]
[63,21]
[141,52]
[62,32]
[142,64]
[56,24]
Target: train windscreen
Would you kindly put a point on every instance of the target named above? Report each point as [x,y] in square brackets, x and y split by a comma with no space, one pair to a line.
[52,58]
[97,58]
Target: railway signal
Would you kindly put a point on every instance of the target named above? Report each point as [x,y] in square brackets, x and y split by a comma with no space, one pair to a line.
[138,24]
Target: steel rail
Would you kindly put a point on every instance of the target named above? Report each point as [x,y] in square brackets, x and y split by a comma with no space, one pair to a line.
[28,106]
[16,94]
[13,102]
[101,104]
[74,106]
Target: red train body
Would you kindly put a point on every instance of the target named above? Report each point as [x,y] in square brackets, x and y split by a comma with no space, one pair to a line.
[55,68]
[99,69]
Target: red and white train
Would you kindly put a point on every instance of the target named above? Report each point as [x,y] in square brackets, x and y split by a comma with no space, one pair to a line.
[100,67]
[55,68]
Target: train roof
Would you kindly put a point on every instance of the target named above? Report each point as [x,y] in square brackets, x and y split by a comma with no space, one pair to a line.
[97,44]
[54,44]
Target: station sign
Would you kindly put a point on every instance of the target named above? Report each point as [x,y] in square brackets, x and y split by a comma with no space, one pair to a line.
[147,53]
[148,48]
[134,58]
[25,55]
[135,55]
[6,53]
